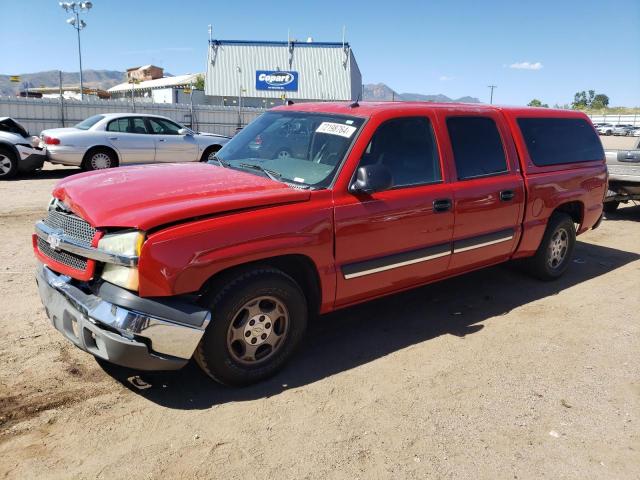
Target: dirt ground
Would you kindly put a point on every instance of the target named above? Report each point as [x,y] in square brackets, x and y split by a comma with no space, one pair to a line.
[489,375]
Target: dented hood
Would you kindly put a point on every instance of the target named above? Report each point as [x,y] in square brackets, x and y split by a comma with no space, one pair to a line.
[148,196]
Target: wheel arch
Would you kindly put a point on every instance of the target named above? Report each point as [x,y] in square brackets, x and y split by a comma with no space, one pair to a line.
[300,267]
[10,146]
[575,209]
[208,149]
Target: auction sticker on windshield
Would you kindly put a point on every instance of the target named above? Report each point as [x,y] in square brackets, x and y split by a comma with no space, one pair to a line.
[336,129]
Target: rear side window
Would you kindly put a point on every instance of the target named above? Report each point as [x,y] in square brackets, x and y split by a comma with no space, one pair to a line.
[553,141]
[477,147]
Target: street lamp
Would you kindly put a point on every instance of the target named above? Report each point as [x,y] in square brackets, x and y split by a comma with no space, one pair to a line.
[75,8]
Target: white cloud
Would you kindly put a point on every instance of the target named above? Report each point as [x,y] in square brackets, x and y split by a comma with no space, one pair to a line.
[526,66]
[446,78]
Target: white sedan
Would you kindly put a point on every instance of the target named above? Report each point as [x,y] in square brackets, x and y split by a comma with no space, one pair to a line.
[112,139]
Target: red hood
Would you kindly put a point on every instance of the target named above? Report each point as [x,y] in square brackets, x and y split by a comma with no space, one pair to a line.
[147,196]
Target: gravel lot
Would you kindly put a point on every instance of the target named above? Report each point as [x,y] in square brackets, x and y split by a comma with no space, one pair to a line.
[489,375]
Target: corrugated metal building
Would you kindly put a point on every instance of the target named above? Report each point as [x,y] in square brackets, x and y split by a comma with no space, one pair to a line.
[264,74]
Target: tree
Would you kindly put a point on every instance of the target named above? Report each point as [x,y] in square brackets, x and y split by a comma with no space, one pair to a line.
[583,100]
[537,103]
[600,101]
[199,85]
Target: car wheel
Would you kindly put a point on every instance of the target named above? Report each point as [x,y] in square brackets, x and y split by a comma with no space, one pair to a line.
[8,164]
[99,159]
[283,154]
[610,207]
[209,153]
[556,249]
[259,318]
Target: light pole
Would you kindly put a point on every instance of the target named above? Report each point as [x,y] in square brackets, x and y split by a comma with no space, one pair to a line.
[492,87]
[75,22]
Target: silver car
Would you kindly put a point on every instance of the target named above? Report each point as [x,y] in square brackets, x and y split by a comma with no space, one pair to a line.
[112,139]
[19,152]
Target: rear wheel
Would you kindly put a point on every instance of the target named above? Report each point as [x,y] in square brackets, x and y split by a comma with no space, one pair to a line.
[556,249]
[99,159]
[259,318]
[8,164]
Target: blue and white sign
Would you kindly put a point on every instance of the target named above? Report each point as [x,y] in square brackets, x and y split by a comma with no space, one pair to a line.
[276,80]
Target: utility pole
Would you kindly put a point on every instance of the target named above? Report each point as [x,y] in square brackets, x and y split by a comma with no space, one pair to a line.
[492,87]
[75,8]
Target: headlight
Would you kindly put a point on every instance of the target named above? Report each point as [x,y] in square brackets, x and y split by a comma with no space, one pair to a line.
[129,244]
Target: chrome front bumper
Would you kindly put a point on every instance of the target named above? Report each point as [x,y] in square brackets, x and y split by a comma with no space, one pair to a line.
[114,333]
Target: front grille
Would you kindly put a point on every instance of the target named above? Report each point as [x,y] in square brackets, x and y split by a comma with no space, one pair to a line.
[71,225]
[60,256]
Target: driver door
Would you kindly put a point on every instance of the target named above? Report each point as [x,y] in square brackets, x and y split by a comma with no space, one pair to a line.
[400,237]
[170,145]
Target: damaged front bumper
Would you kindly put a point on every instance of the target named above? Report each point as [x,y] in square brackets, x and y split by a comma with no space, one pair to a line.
[120,327]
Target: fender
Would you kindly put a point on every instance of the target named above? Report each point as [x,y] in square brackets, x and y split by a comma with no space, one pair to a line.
[181,259]
[11,147]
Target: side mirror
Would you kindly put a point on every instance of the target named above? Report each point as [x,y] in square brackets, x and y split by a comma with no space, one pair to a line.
[185,131]
[371,179]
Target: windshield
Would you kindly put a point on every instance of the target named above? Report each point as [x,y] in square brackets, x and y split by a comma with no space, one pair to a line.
[297,147]
[89,122]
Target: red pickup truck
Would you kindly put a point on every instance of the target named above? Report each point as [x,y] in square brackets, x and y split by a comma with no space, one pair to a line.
[310,208]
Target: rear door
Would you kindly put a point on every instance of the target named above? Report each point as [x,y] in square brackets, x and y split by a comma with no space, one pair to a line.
[488,191]
[170,145]
[130,138]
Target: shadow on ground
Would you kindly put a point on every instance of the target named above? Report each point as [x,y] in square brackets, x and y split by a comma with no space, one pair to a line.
[346,339]
[56,174]
[624,212]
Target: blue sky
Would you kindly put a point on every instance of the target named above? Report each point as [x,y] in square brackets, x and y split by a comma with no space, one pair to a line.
[543,49]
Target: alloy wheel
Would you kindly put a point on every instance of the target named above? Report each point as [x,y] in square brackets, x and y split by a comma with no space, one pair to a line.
[5,164]
[258,330]
[558,248]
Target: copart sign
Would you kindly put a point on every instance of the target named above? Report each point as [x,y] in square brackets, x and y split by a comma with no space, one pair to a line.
[276,80]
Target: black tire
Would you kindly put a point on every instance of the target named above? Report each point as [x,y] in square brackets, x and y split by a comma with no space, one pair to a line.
[209,151]
[218,355]
[541,264]
[8,164]
[95,158]
[610,207]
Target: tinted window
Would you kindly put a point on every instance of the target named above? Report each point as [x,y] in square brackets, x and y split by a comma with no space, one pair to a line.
[552,141]
[407,148]
[118,125]
[163,127]
[136,125]
[477,147]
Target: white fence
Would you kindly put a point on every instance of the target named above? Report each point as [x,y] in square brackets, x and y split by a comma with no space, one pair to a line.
[617,119]
[37,114]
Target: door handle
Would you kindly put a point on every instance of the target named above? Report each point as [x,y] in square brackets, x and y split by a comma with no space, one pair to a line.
[507,195]
[442,205]
[162,140]
[113,138]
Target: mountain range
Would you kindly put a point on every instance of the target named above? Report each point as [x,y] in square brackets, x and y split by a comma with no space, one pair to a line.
[382,92]
[105,79]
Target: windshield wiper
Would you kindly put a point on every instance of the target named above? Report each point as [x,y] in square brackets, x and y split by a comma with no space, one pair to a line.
[221,162]
[273,175]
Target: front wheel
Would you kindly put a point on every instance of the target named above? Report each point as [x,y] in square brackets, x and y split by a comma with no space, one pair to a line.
[258,319]
[8,164]
[556,249]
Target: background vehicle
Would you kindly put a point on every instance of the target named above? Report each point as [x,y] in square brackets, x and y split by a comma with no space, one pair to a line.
[622,129]
[635,132]
[624,177]
[605,129]
[109,140]
[229,261]
[19,152]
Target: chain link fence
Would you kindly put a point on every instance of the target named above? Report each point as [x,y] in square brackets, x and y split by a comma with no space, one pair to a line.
[37,114]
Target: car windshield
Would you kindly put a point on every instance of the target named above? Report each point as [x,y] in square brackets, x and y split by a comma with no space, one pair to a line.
[87,123]
[296,147]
